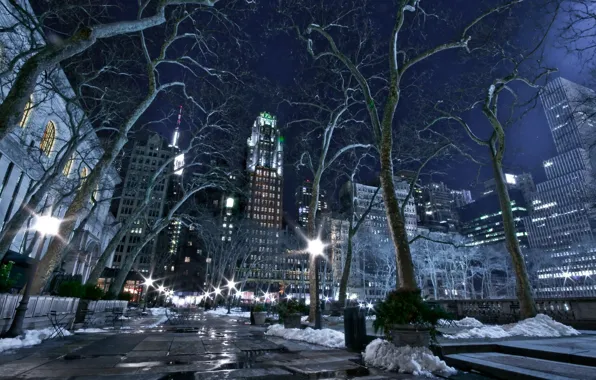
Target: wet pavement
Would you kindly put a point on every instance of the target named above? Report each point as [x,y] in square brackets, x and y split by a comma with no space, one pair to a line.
[206,347]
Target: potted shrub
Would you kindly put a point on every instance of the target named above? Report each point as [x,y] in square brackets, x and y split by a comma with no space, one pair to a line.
[406,319]
[290,312]
[259,314]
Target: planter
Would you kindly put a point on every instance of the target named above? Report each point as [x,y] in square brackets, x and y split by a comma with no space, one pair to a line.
[410,335]
[292,321]
[259,317]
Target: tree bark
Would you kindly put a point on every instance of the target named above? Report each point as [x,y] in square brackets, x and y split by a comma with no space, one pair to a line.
[397,227]
[523,289]
[345,275]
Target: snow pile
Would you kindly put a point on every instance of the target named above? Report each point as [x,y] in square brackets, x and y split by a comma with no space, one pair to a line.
[30,338]
[91,330]
[158,310]
[304,318]
[418,361]
[323,337]
[539,326]
[466,322]
[234,312]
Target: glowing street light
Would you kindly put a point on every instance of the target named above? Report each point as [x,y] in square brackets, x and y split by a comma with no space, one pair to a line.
[161,288]
[231,285]
[149,282]
[316,247]
[289,296]
[217,291]
[47,225]
[369,306]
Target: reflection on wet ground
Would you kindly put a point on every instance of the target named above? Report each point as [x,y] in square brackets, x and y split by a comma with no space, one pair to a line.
[204,348]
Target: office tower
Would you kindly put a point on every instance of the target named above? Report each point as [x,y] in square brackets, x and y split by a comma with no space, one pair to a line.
[482,220]
[145,159]
[265,189]
[303,199]
[523,182]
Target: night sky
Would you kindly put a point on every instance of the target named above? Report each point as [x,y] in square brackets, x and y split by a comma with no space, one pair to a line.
[277,60]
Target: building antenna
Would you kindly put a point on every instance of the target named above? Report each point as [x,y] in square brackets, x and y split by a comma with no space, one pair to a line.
[177,130]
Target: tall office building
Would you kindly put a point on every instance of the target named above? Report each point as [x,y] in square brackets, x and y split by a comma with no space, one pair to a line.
[145,158]
[303,199]
[264,165]
[563,222]
[562,215]
[523,182]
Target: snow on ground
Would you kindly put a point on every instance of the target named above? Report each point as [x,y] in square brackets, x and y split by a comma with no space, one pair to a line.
[539,326]
[157,310]
[30,338]
[234,312]
[91,330]
[323,337]
[466,322]
[418,361]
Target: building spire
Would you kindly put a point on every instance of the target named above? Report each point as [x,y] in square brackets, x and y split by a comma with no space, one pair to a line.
[177,130]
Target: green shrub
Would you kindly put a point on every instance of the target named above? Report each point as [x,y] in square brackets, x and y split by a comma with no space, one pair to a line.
[71,289]
[6,280]
[92,292]
[291,306]
[258,308]
[404,308]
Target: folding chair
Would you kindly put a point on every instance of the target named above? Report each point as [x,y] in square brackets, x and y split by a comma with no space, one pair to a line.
[58,324]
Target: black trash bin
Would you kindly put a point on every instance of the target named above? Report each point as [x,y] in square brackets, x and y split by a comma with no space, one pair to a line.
[355,328]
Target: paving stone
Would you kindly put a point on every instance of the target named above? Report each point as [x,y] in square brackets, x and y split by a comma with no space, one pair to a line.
[19,366]
[272,373]
[181,348]
[99,362]
[153,346]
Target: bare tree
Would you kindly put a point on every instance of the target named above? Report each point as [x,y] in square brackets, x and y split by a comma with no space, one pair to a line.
[381,89]
[156,85]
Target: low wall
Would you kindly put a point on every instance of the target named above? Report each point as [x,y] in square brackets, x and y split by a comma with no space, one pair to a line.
[577,312]
[38,309]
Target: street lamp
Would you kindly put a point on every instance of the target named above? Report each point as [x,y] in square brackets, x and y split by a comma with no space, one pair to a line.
[231,286]
[316,248]
[148,282]
[44,225]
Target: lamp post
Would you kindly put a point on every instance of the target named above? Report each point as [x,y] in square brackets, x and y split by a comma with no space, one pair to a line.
[316,248]
[231,286]
[45,225]
[148,282]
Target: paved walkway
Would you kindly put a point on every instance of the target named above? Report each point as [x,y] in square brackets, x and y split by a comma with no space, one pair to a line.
[211,347]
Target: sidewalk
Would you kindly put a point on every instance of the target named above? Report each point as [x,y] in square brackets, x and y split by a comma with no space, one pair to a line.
[212,347]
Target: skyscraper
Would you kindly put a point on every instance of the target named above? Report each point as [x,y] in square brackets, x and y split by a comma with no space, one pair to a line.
[303,199]
[145,159]
[562,225]
[561,214]
[265,171]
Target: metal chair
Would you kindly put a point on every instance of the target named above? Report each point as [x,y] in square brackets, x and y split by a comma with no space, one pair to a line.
[58,324]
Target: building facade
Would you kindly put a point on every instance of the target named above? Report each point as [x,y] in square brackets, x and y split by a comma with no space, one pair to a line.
[146,158]
[482,220]
[264,166]
[39,142]
[303,199]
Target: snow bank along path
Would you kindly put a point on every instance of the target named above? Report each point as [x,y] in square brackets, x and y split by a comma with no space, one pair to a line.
[233,312]
[28,339]
[418,361]
[539,326]
[323,337]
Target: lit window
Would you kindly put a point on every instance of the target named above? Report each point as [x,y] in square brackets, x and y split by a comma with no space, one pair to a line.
[26,112]
[48,138]
[187,259]
[68,166]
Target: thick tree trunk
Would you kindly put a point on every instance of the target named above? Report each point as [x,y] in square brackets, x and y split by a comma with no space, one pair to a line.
[78,205]
[523,290]
[311,234]
[397,227]
[105,255]
[345,275]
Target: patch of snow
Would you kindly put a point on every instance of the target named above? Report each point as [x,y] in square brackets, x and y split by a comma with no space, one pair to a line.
[409,8]
[418,361]
[91,330]
[491,92]
[323,337]
[29,338]
[466,322]
[159,322]
[304,318]
[234,312]
[539,326]
[157,310]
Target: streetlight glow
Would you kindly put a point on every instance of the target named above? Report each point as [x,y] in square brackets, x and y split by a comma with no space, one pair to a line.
[232,285]
[217,291]
[369,305]
[316,247]
[149,282]
[161,288]
[47,225]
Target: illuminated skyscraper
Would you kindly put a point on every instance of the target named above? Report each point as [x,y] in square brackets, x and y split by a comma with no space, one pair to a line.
[303,198]
[265,171]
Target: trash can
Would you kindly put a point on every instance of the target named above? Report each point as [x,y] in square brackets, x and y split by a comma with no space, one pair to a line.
[355,328]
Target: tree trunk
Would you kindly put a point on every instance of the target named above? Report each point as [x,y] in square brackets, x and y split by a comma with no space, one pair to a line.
[310,233]
[397,227]
[78,205]
[524,290]
[345,275]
